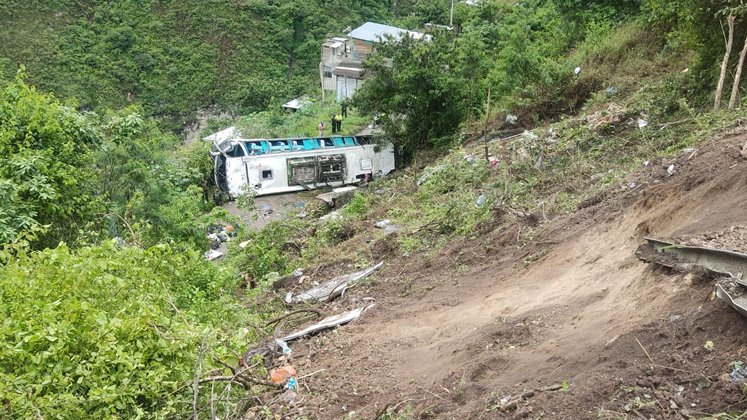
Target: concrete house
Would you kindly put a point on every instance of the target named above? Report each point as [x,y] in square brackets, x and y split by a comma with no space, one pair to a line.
[342,61]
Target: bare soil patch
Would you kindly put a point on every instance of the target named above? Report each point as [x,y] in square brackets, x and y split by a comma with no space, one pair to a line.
[491,319]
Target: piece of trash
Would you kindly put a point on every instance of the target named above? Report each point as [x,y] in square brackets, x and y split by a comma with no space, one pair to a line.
[213,255]
[611,91]
[327,323]
[642,123]
[511,119]
[335,215]
[632,185]
[298,272]
[612,340]
[244,244]
[530,136]
[481,200]
[292,384]
[646,162]
[329,290]
[675,318]
[738,371]
[282,374]
[283,346]
[577,70]
[381,224]
[671,170]
[389,229]
[709,345]
[265,209]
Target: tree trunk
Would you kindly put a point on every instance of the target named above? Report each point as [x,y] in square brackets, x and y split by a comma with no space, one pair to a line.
[725,63]
[738,77]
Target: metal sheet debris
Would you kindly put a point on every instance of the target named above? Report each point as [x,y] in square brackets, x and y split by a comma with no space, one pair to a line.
[213,255]
[732,293]
[723,262]
[329,290]
[333,197]
[728,266]
[327,323]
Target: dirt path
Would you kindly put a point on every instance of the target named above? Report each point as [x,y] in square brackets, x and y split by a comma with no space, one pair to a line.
[454,334]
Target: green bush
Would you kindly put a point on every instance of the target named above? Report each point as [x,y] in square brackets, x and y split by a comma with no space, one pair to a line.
[107,332]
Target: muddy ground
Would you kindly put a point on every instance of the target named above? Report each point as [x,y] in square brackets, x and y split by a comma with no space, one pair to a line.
[570,325]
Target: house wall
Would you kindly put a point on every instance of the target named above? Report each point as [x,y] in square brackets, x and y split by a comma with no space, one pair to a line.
[361,49]
[346,86]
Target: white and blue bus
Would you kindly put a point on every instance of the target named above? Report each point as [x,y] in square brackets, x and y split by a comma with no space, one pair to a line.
[271,166]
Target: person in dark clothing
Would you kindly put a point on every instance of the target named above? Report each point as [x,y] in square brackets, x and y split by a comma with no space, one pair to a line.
[334,124]
[344,108]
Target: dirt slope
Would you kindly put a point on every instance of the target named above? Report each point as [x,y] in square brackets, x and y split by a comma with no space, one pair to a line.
[454,333]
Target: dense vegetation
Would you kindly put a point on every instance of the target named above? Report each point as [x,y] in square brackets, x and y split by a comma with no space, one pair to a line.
[108,307]
[174,57]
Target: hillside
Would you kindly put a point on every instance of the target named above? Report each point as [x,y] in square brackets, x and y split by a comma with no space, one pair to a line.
[174,58]
[515,265]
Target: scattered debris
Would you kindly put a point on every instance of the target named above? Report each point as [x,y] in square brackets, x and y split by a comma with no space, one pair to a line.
[338,196]
[671,170]
[327,323]
[709,345]
[612,91]
[335,215]
[282,374]
[734,294]
[265,209]
[642,123]
[284,346]
[218,234]
[381,224]
[728,266]
[738,372]
[329,290]
[577,71]
[689,258]
[244,244]
[481,200]
[530,136]
[213,255]
[511,119]
[605,118]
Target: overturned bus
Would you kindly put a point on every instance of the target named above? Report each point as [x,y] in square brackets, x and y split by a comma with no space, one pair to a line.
[271,166]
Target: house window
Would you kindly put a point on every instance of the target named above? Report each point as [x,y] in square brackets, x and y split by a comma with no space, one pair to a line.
[267,174]
[328,72]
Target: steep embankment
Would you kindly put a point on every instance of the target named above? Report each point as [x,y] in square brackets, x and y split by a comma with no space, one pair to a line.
[452,334]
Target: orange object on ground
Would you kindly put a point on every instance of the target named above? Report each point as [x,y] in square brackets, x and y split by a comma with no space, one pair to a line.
[282,374]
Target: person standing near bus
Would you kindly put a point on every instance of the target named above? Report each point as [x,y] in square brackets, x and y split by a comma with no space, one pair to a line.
[321,127]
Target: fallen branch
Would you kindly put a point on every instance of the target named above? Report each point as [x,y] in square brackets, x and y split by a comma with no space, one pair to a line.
[297,311]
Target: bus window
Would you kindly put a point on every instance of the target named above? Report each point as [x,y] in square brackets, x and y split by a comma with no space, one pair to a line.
[326,142]
[339,142]
[349,141]
[236,152]
[309,144]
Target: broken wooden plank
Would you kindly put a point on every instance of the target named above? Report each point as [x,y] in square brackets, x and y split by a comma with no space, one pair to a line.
[329,290]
